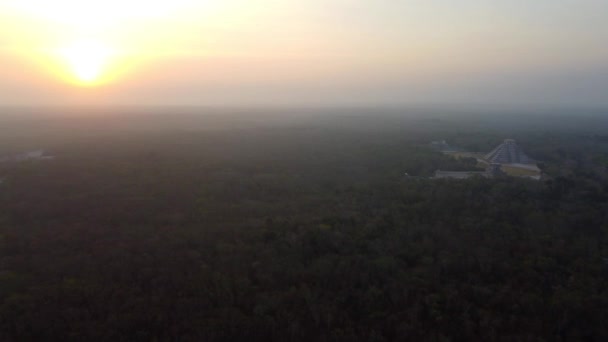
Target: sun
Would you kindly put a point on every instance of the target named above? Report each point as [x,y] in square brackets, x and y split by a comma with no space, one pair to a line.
[98,42]
[87,62]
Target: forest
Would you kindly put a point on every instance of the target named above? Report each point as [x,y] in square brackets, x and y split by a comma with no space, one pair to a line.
[299,225]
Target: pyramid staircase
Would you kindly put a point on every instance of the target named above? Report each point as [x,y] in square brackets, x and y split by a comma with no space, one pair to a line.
[508,153]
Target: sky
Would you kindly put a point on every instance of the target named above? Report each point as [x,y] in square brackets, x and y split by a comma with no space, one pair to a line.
[314,52]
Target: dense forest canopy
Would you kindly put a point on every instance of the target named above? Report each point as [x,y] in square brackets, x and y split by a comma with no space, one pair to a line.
[287,225]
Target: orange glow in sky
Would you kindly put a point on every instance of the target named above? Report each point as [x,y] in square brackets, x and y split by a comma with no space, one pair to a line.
[201,51]
[84,42]
[87,61]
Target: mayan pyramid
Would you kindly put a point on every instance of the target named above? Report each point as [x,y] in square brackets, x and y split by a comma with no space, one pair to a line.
[508,153]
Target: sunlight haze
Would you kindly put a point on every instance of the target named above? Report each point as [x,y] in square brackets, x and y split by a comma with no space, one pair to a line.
[294,52]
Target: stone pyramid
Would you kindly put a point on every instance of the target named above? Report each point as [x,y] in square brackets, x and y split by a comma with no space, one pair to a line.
[508,153]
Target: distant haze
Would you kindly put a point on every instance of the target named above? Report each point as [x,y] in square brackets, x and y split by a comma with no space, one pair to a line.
[319,52]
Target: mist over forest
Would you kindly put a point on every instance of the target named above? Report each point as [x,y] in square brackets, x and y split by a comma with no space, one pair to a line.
[206,224]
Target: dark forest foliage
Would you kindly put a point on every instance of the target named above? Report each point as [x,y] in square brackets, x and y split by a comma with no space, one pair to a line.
[300,230]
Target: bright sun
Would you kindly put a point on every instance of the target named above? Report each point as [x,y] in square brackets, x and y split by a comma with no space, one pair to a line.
[89,43]
[87,61]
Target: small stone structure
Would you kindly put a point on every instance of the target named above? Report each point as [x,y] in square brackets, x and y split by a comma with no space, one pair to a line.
[493,171]
[30,155]
[443,146]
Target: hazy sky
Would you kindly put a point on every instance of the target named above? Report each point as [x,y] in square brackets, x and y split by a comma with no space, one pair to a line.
[314,52]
